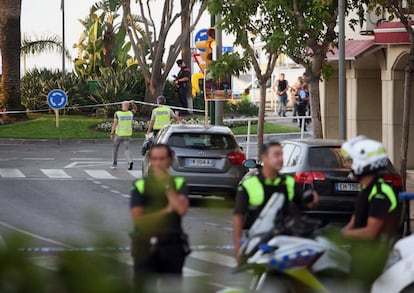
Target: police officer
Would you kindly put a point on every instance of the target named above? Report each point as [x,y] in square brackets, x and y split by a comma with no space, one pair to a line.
[161,116]
[182,82]
[254,192]
[376,209]
[122,131]
[374,224]
[158,203]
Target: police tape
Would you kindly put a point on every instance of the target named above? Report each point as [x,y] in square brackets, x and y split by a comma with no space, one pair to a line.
[113,249]
[101,105]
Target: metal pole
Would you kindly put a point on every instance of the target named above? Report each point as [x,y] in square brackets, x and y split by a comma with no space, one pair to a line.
[341,71]
[219,54]
[249,128]
[63,37]
[211,104]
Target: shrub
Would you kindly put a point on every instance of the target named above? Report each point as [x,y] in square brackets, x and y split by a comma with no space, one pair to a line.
[118,85]
[241,108]
[137,126]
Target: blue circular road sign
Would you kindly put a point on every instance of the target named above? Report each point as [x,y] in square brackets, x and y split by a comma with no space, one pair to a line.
[201,35]
[57,99]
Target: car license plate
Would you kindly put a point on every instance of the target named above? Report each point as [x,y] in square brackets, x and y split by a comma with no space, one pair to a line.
[347,186]
[199,163]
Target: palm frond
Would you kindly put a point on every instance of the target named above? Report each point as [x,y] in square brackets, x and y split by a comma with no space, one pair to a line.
[43,44]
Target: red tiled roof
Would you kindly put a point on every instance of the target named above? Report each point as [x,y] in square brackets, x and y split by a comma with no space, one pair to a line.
[353,48]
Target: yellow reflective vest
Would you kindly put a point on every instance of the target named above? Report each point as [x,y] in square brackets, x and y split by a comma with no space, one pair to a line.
[162,117]
[255,190]
[124,127]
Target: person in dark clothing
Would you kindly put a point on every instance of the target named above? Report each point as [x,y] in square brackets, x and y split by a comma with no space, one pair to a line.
[182,83]
[158,202]
[376,206]
[302,103]
[374,224]
[281,88]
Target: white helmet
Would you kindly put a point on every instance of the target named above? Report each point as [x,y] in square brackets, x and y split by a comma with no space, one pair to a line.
[368,156]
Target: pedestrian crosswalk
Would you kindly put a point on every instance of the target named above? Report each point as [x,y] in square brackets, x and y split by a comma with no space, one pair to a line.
[74,173]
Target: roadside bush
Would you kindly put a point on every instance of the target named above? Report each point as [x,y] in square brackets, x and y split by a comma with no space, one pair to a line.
[118,85]
[241,108]
[37,83]
[137,126]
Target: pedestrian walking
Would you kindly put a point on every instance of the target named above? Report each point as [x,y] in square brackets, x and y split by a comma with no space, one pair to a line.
[158,203]
[160,117]
[122,131]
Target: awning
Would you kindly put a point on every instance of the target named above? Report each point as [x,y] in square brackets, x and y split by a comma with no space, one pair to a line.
[353,49]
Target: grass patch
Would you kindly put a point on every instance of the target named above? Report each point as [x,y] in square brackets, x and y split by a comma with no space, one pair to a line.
[43,126]
[269,128]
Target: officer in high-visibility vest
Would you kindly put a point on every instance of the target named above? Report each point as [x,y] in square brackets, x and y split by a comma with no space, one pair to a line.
[375,223]
[158,203]
[254,192]
[161,116]
[376,209]
[122,131]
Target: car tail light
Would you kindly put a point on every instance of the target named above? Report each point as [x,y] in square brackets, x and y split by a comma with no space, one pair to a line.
[236,158]
[309,177]
[393,179]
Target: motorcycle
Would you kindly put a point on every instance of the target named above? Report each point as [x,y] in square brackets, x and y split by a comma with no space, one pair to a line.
[288,250]
[301,258]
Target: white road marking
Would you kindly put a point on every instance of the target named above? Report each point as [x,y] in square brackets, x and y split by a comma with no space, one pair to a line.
[100,174]
[11,173]
[135,173]
[55,173]
[85,159]
[39,159]
[35,235]
[84,164]
[215,258]
[48,262]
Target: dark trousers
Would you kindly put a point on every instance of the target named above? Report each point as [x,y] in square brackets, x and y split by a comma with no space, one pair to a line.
[149,263]
[302,107]
[182,94]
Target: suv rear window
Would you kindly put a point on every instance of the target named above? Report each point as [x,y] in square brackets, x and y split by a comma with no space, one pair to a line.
[205,141]
[327,158]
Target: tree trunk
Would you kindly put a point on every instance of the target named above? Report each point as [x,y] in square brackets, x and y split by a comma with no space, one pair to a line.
[108,41]
[10,42]
[186,48]
[261,121]
[315,103]
[153,90]
[409,69]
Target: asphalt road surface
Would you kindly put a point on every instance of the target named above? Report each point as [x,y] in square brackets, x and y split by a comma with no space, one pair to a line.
[65,197]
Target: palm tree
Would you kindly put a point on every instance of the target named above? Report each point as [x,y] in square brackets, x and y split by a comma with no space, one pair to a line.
[41,45]
[10,42]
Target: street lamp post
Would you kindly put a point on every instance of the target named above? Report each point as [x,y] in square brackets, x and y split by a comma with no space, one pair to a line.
[63,37]
[341,70]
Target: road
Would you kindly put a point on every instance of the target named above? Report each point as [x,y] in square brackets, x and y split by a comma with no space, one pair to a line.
[65,196]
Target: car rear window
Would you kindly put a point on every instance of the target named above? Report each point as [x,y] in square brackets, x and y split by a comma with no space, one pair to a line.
[205,141]
[327,158]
